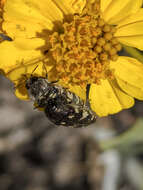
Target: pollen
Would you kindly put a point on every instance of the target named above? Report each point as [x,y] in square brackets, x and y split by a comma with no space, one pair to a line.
[83,50]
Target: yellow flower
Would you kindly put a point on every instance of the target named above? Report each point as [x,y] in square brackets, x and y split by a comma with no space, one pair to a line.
[76,42]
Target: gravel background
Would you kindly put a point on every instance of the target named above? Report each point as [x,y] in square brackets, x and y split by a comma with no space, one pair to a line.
[35,155]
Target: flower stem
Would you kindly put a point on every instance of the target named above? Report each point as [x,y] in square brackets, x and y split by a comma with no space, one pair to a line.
[127,140]
[134,52]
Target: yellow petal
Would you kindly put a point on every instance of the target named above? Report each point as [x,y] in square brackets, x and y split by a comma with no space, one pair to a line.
[129,75]
[103,99]
[119,9]
[133,29]
[125,100]
[12,56]
[133,41]
[104,4]
[19,78]
[133,18]
[29,44]
[26,18]
[132,90]
[70,6]
[128,31]
[46,8]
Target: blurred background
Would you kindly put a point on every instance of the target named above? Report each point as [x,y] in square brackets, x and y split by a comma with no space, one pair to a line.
[36,155]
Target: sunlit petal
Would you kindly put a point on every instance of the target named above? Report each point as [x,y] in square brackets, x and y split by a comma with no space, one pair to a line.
[103,99]
[104,4]
[11,55]
[26,18]
[129,31]
[133,90]
[115,11]
[133,41]
[133,29]
[129,75]
[125,100]
[70,6]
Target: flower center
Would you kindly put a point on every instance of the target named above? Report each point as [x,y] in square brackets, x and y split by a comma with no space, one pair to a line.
[82,52]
